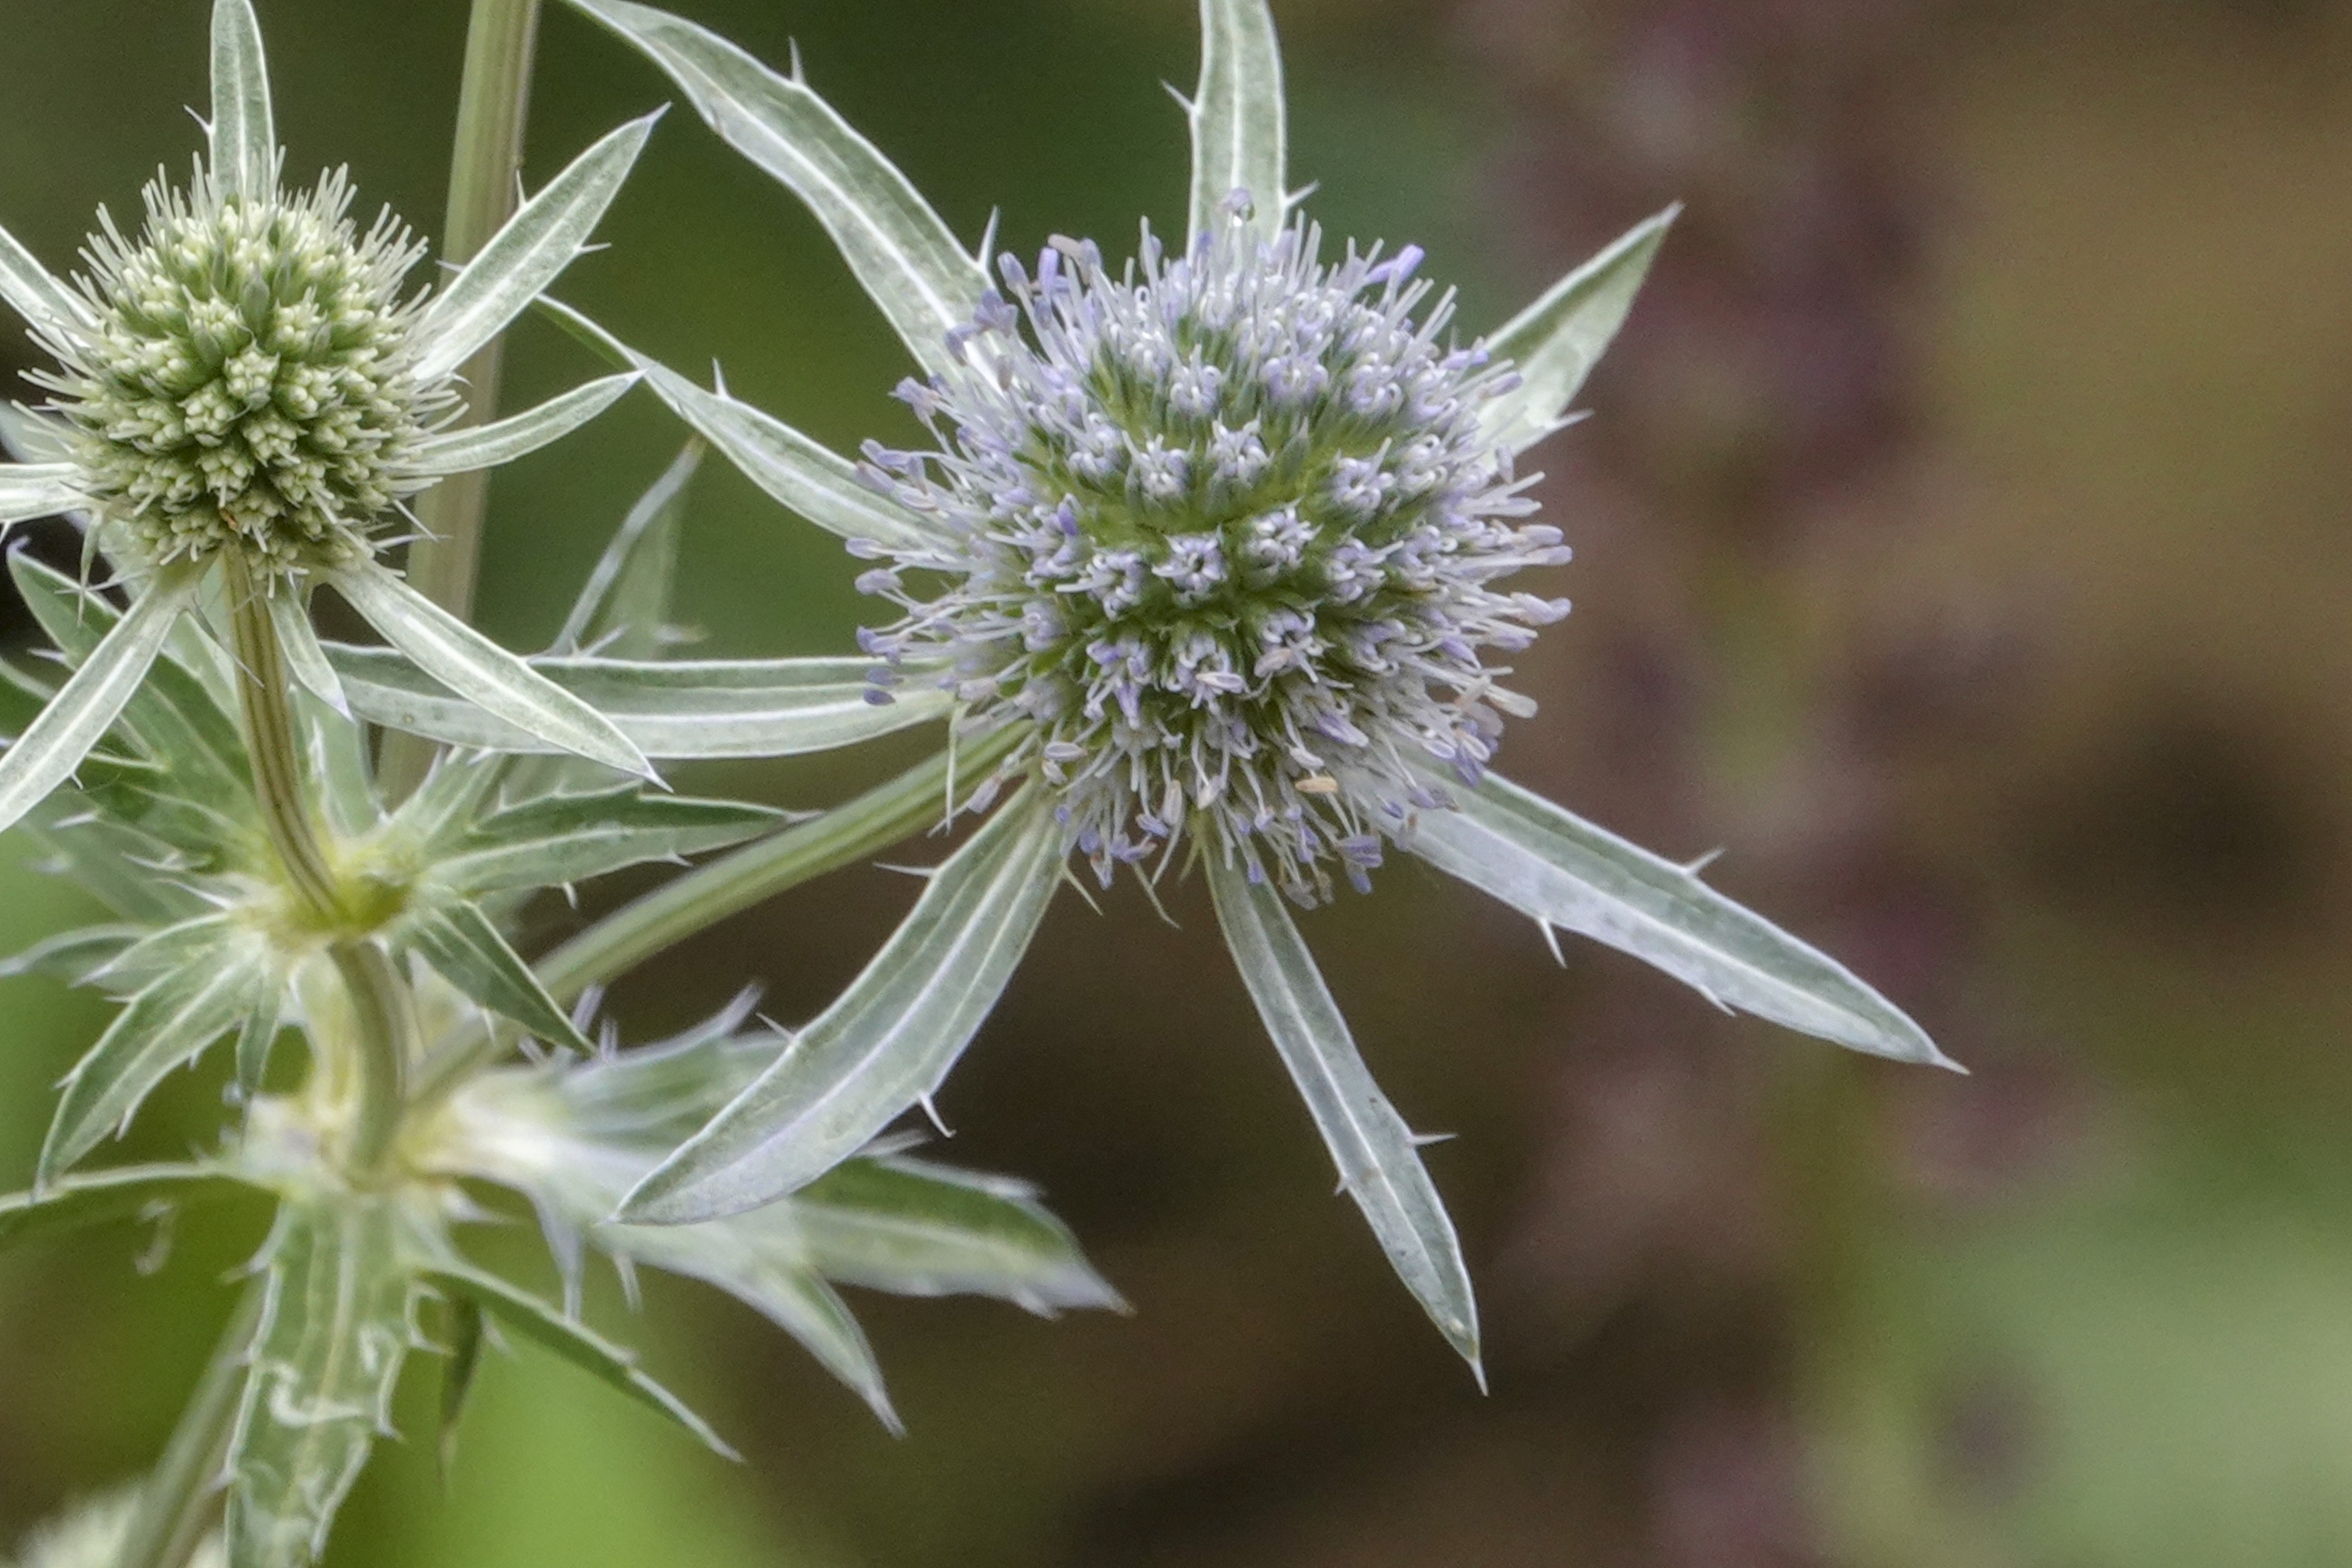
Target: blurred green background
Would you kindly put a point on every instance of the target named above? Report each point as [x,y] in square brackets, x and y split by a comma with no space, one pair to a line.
[1965,546]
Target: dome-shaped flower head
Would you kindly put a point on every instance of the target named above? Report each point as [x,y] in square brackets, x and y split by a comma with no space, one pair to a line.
[249,386]
[1215,548]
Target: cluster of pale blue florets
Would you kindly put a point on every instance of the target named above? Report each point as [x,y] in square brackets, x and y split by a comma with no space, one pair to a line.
[1226,530]
[243,374]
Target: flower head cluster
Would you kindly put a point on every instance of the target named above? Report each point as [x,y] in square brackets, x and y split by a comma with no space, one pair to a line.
[246,375]
[1226,530]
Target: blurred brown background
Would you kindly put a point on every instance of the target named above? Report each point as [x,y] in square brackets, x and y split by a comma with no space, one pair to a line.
[1965,541]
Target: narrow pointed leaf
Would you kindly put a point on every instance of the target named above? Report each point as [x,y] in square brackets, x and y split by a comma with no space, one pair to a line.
[625,604]
[128,1191]
[1379,1163]
[167,1026]
[564,839]
[1549,863]
[536,245]
[245,141]
[260,1032]
[334,1335]
[485,674]
[741,1257]
[677,708]
[304,656]
[34,293]
[1556,341]
[73,956]
[457,1377]
[111,861]
[544,1325]
[1237,116]
[465,949]
[502,441]
[886,1042]
[919,1229]
[46,754]
[36,489]
[173,716]
[30,438]
[899,248]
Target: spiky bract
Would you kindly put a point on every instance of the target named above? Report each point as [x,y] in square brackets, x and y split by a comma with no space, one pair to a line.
[246,379]
[1224,529]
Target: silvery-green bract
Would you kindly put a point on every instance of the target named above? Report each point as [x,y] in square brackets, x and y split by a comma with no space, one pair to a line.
[244,397]
[206,946]
[1210,550]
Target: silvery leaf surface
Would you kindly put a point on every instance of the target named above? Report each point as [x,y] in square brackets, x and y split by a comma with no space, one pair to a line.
[1556,341]
[336,1328]
[1546,862]
[1377,1154]
[304,656]
[36,293]
[888,1042]
[676,709]
[73,956]
[907,259]
[33,437]
[340,760]
[145,795]
[915,1228]
[243,135]
[129,1192]
[111,861]
[165,1024]
[562,838]
[174,718]
[625,602]
[480,670]
[540,240]
[544,1325]
[258,1034]
[1237,114]
[36,489]
[466,949]
[92,698]
[472,447]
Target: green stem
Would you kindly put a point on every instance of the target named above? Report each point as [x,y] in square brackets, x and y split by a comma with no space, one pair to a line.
[386,1017]
[175,1506]
[493,104]
[263,692]
[733,883]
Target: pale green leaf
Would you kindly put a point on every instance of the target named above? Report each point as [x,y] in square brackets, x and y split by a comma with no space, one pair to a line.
[1237,114]
[898,247]
[625,604]
[304,656]
[1556,341]
[564,839]
[129,1192]
[31,437]
[536,245]
[335,1330]
[465,949]
[34,293]
[477,669]
[889,1039]
[260,1032]
[244,140]
[36,489]
[473,446]
[111,861]
[1379,1161]
[73,956]
[167,1025]
[673,709]
[1549,863]
[544,1326]
[90,702]
[916,1228]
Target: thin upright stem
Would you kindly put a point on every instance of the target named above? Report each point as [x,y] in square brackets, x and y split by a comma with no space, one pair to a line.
[733,883]
[263,693]
[386,1015]
[175,1507]
[493,106]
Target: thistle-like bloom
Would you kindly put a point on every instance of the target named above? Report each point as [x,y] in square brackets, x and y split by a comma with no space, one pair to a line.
[1211,548]
[248,390]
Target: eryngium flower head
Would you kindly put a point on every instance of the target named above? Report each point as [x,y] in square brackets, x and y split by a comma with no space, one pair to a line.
[247,378]
[1228,532]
